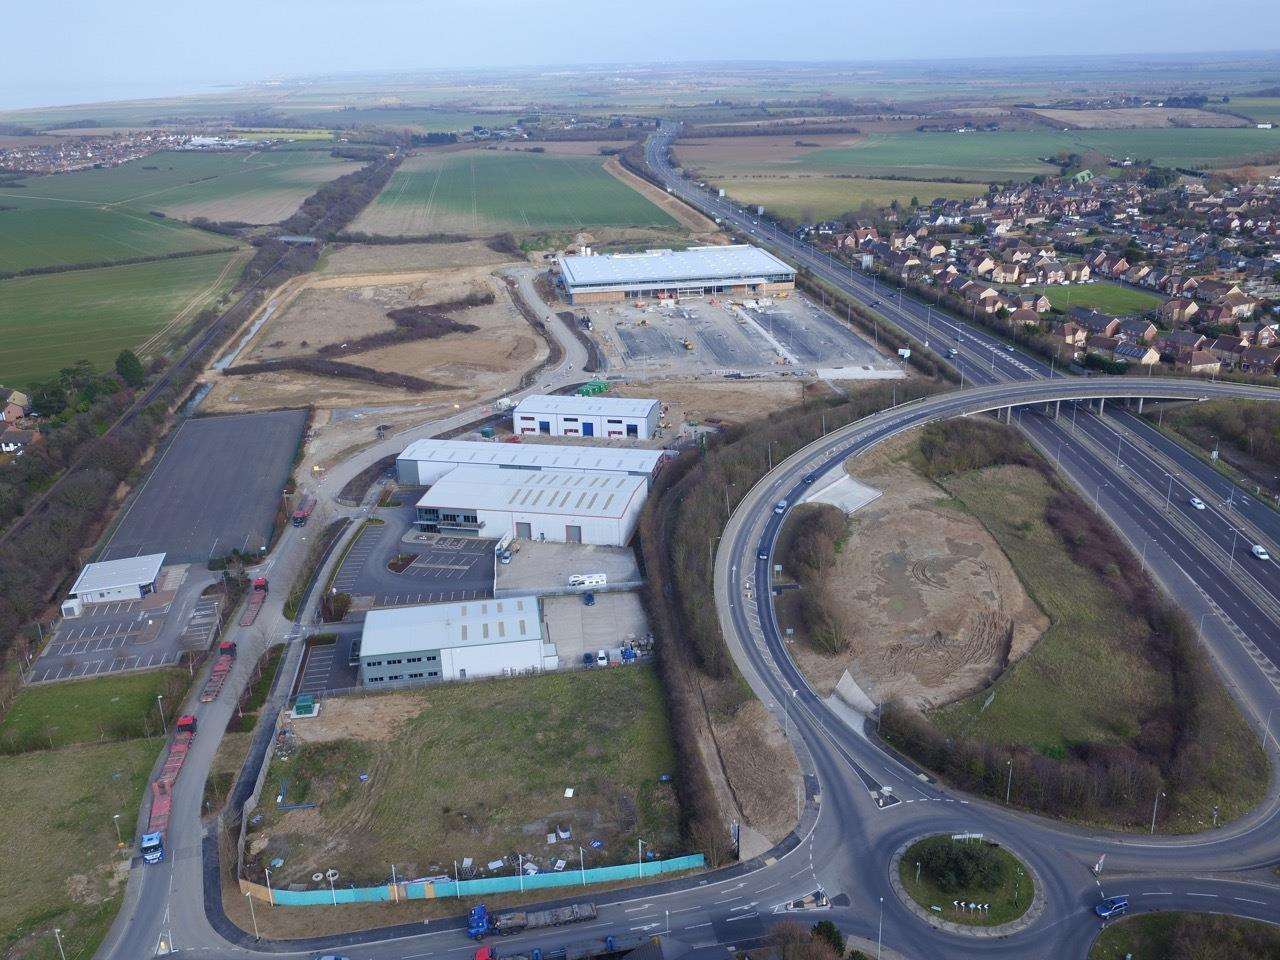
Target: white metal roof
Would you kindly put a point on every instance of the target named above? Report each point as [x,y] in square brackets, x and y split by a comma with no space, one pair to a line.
[736,261]
[113,574]
[440,626]
[585,406]
[545,456]
[602,495]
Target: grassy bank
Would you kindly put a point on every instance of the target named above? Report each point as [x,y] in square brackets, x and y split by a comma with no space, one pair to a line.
[1172,936]
[1117,701]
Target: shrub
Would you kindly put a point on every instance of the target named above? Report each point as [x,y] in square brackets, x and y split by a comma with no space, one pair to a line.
[958,866]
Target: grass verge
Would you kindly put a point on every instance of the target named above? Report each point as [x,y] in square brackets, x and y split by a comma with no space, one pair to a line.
[311,566]
[1007,898]
[1204,936]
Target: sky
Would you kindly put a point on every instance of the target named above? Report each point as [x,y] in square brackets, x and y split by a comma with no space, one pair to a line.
[90,50]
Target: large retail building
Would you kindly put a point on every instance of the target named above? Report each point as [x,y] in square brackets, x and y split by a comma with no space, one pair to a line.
[739,270]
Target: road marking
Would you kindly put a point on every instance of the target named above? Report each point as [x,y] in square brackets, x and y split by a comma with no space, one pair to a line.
[745,916]
[1247,900]
[1164,893]
[697,926]
[1212,895]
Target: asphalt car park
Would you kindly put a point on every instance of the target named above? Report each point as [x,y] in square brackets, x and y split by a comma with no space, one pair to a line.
[445,569]
[216,488]
[326,667]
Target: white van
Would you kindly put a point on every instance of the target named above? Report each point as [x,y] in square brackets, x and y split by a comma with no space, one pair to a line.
[588,580]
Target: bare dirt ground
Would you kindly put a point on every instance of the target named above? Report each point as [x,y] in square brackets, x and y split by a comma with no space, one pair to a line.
[729,401]
[935,607]
[361,718]
[356,258]
[685,215]
[581,148]
[762,769]
[477,365]
[1123,118]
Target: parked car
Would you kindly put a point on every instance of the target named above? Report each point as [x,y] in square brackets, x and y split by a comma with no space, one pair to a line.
[602,658]
[588,658]
[1260,552]
[1112,907]
[1197,503]
[589,599]
[504,556]
[353,659]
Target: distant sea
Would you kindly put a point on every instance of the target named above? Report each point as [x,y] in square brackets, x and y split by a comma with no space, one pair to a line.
[39,93]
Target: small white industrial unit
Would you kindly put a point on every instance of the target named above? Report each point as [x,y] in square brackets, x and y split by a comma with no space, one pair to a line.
[128,579]
[436,642]
[561,416]
[555,505]
[427,461]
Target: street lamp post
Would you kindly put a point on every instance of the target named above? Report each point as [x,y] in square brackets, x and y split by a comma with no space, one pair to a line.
[57,935]
[252,915]
[582,865]
[880,930]
[1168,494]
[160,703]
[520,869]
[1008,785]
[271,895]
[640,844]
[115,821]
[332,875]
[1155,805]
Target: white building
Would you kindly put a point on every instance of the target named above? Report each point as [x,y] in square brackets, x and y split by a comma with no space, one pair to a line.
[736,270]
[561,416]
[128,579]
[426,461]
[557,505]
[453,641]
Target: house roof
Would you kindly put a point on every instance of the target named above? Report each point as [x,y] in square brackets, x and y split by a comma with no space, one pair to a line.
[113,574]
[438,626]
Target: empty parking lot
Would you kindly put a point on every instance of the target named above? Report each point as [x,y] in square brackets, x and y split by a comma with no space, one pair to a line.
[216,488]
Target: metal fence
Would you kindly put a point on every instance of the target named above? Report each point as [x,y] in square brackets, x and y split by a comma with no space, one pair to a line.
[436,889]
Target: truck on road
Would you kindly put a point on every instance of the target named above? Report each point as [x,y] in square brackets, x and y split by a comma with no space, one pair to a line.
[257,597]
[151,845]
[481,923]
[221,670]
[299,516]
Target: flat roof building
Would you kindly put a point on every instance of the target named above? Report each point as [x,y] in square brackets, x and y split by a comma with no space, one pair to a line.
[130,578]
[424,462]
[556,505]
[436,642]
[735,270]
[573,416]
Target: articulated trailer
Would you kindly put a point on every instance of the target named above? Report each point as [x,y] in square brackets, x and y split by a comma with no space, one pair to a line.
[606,948]
[221,670]
[253,604]
[300,515]
[151,846]
[481,923]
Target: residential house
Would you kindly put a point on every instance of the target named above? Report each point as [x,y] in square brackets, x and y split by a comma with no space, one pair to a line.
[14,405]
[14,440]
[1095,323]
[1228,349]
[1050,271]
[1259,360]
[1136,329]
[1181,341]
[1025,317]
[1178,310]
[1006,271]
[1140,353]
[1032,301]
[1077,271]
[1198,361]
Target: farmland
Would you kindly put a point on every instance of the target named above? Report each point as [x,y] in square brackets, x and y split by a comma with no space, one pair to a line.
[248,186]
[1013,155]
[482,192]
[817,198]
[1259,109]
[49,321]
[484,767]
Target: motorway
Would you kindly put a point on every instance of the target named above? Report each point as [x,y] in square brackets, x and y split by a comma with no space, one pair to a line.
[851,825]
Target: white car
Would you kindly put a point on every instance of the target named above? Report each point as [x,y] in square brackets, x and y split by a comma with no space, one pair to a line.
[780,507]
[1197,503]
[1260,552]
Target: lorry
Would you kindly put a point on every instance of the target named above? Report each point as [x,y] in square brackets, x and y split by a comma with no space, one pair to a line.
[481,923]
[303,512]
[151,845]
[221,670]
[605,948]
[257,597]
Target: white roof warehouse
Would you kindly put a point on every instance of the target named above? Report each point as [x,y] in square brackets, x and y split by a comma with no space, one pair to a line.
[556,505]
[738,269]
[426,461]
[126,579]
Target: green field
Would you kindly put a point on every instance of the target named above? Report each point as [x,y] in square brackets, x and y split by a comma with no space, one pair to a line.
[60,714]
[59,866]
[820,198]
[483,766]
[1014,154]
[52,320]
[1260,109]
[1110,298]
[482,192]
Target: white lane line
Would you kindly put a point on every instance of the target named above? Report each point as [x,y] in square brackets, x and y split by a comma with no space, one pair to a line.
[1164,893]
[1247,900]
[1211,895]
[697,926]
[745,916]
